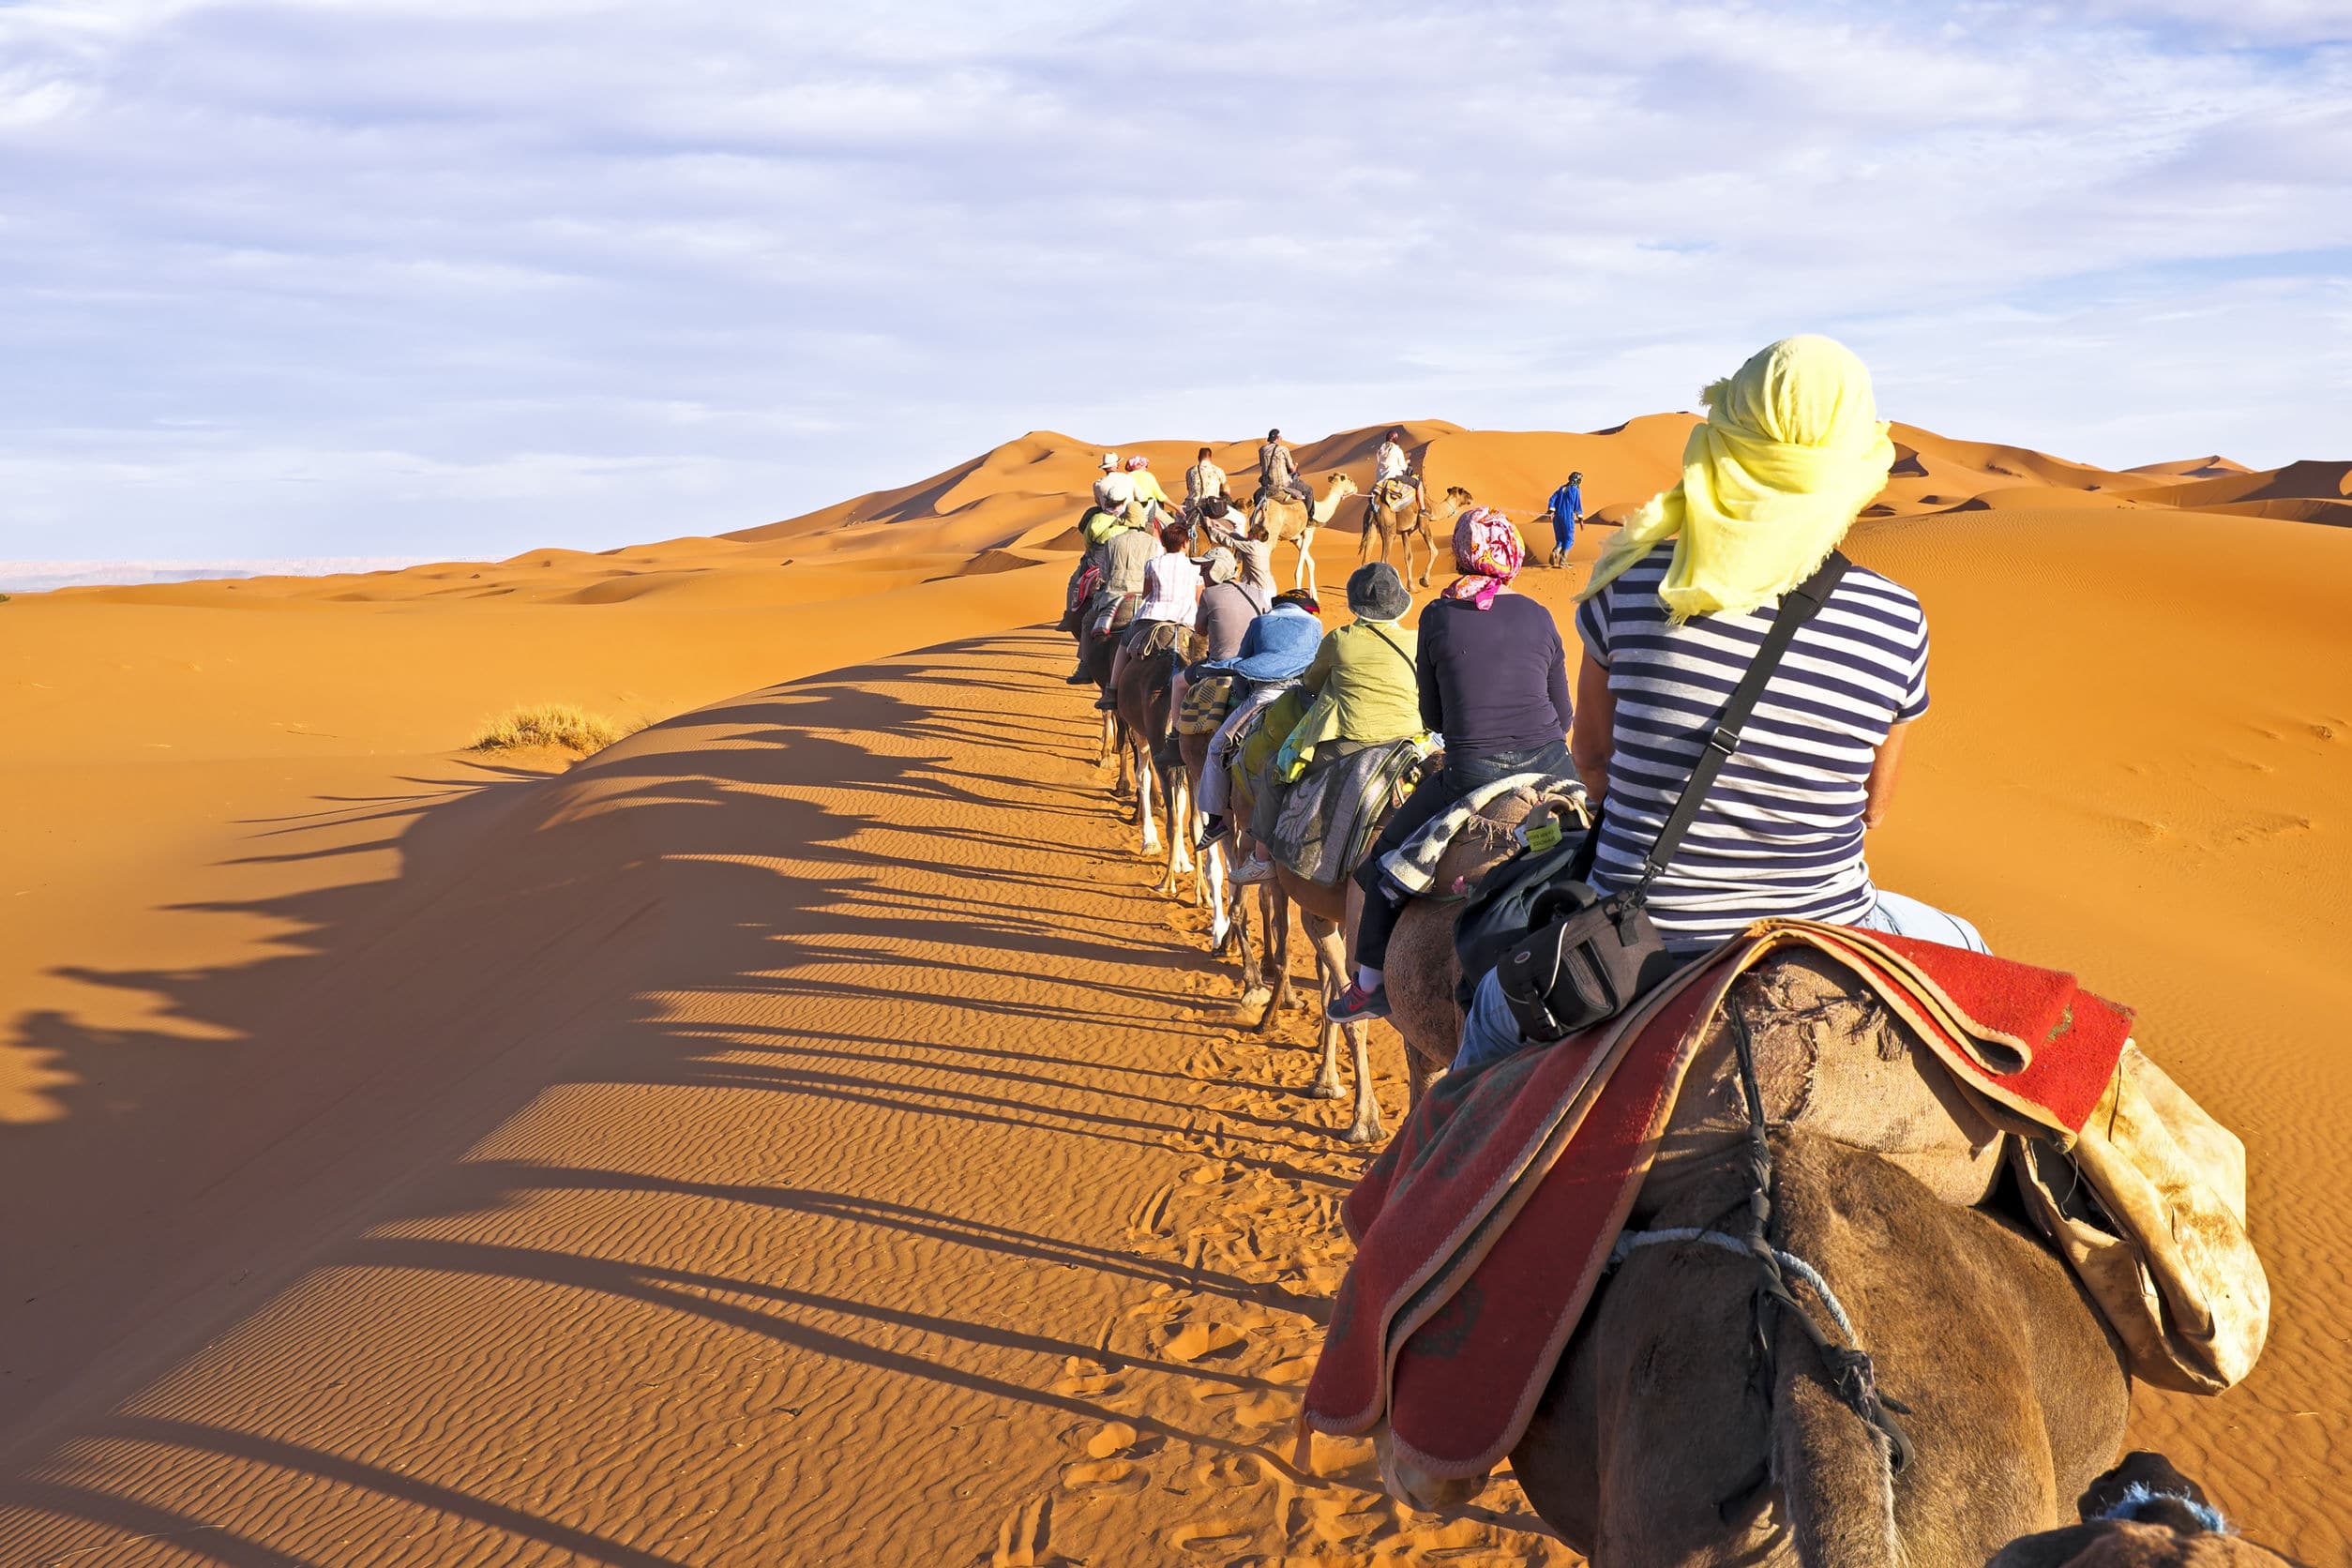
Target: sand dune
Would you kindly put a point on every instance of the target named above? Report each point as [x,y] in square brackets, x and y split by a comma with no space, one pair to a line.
[795,1134]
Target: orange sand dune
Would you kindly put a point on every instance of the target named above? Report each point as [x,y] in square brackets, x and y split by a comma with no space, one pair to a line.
[796,1135]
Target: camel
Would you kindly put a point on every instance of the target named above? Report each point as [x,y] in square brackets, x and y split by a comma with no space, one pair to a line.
[1229,902]
[1286,517]
[1144,718]
[1655,1444]
[1408,522]
[1422,971]
[1329,915]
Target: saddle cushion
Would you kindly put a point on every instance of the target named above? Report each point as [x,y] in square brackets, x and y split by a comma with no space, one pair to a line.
[1145,638]
[1326,821]
[1485,1227]
[1206,703]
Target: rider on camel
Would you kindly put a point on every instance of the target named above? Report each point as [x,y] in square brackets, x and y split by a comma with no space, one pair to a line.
[1275,653]
[1252,551]
[1202,480]
[1171,596]
[1228,606]
[1390,465]
[1494,681]
[1127,554]
[1791,451]
[1278,472]
[1367,669]
[1147,492]
[1114,492]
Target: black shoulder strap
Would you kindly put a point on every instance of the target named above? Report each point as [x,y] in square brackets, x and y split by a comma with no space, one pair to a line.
[1796,607]
[1391,641]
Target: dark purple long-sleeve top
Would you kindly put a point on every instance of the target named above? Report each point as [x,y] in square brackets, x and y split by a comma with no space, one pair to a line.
[1495,679]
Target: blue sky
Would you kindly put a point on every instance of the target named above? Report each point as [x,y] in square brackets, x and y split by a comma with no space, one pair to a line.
[461,277]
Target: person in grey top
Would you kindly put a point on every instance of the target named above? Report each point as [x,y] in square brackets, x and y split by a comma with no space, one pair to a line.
[1279,472]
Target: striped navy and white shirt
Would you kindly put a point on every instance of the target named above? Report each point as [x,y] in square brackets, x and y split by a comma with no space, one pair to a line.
[1781,831]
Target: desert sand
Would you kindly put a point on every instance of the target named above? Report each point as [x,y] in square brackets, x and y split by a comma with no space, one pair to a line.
[795,1134]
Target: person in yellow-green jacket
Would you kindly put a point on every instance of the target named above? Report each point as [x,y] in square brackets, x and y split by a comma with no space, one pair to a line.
[1365,670]
[1366,667]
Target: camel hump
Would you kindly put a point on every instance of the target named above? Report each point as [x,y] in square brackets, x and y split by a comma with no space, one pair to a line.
[1832,1062]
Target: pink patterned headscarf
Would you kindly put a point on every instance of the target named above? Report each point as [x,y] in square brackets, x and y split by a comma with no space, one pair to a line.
[1487,551]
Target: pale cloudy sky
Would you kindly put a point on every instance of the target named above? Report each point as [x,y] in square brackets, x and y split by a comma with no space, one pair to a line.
[461,276]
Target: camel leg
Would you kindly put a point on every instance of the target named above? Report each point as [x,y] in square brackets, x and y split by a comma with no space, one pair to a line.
[1222,923]
[1111,738]
[1179,859]
[1274,905]
[1304,576]
[1180,822]
[1331,963]
[1144,818]
[1365,1127]
[1420,1073]
[1331,959]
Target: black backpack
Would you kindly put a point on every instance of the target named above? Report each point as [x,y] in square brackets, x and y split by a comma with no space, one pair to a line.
[1582,956]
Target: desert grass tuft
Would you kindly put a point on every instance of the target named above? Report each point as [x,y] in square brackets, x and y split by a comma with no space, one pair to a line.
[557,725]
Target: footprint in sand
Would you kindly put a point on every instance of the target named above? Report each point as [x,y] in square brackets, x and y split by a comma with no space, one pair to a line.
[1105,1478]
[1202,1340]
[1344,1521]
[1211,1537]
[1082,1378]
[1110,1442]
[1291,1373]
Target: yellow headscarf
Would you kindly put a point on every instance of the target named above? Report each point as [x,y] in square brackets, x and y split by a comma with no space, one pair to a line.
[1792,450]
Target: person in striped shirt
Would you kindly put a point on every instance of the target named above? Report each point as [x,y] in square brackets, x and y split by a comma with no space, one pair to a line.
[1789,454]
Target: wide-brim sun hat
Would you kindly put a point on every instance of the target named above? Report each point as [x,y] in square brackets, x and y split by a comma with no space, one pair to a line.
[1110,460]
[1376,593]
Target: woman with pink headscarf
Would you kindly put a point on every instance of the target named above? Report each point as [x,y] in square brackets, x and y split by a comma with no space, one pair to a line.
[1146,489]
[1494,681]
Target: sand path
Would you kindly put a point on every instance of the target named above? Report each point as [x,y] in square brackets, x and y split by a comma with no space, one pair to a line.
[781,1155]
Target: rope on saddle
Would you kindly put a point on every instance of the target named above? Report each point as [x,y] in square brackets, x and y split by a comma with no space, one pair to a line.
[1850,1372]
[1632,1241]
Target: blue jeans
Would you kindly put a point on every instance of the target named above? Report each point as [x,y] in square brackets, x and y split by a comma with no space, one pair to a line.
[1901,916]
[1491,1034]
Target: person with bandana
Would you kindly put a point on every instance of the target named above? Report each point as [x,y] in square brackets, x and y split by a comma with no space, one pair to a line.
[1792,450]
[1493,680]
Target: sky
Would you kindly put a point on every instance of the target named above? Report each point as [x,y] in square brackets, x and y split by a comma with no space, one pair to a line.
[405,278]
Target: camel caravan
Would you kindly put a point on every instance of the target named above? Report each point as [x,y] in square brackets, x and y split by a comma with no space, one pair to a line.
[1748,1211]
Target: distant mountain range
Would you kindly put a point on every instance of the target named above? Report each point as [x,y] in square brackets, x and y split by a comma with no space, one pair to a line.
[34,577]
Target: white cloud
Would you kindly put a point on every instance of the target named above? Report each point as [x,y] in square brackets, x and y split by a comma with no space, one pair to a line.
[461,278]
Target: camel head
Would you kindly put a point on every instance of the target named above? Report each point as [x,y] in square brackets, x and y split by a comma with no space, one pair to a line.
[1340,484]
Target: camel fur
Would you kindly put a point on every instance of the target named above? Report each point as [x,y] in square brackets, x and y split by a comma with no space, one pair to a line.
[1406,523]
[1145,713]
[1650,1442]
[1286,517]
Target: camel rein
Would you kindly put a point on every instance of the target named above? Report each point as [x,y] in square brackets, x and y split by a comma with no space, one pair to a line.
[1850,1373]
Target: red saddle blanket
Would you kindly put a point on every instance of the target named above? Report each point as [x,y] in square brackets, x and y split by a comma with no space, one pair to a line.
[1484,1228]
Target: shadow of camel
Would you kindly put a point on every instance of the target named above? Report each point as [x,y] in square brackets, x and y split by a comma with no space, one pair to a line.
[695,912]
